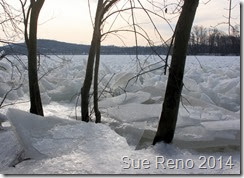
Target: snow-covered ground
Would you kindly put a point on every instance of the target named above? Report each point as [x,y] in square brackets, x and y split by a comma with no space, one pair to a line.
[207,138]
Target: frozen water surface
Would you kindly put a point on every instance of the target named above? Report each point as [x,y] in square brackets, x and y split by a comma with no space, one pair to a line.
[208,125]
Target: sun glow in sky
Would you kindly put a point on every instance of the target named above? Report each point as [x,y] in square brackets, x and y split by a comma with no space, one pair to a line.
[69,21]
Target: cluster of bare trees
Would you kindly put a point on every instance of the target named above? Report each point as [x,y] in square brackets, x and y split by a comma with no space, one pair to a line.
[214,41]
[180,40]
[105,11]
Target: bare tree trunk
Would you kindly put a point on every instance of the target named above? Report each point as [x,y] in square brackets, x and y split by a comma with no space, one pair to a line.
[168,119]
[35,98]
[87,82]
[96,109]
[90,63]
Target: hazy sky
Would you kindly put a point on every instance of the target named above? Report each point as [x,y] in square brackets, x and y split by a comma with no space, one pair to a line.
[69,20]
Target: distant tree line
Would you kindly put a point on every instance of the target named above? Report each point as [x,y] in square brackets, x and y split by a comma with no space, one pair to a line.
[214,42]
[203,41]
[52,47]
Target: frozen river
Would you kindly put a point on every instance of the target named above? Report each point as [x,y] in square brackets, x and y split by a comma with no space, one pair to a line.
[208,122]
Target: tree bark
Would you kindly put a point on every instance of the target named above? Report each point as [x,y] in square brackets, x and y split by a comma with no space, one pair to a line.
[35,98]
[90,63]
[168,119]
[87,82]
[95,97]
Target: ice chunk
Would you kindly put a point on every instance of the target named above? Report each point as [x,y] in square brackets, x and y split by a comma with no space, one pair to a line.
[9,148]
[151,81]
[3,118]
[146,139]
[206,98]
[106,69]
[154,91]
[47,85]
[194,132]
[222,125]
[45,98]
[210,93]
[195,75]
[29,128]
[187,121]
[127,80]
[65,92]
[5,66]
[138,97]
[226,85]
[135,112]
[228,103]
[131,133]
[190,84]
[24,128]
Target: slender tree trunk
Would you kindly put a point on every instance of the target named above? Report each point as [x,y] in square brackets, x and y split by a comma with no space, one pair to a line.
[87,82]
[35,98]
[102,8]
[168,119]
[90,63]
[96,109]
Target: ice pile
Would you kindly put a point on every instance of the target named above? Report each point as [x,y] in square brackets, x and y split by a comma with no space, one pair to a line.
[215,81]
[73,147]
[208,122]
[218,85]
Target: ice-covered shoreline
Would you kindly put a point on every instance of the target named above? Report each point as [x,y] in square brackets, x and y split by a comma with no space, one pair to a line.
[73,147]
